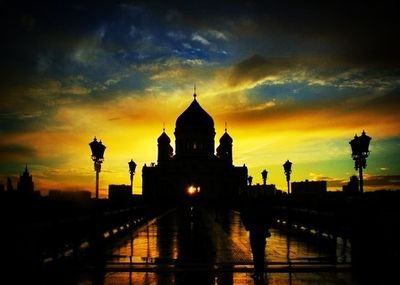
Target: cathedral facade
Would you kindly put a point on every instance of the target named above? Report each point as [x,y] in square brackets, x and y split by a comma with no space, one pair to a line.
[195,169]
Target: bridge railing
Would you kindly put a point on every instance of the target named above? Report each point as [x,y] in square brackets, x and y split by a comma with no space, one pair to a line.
[369,222]
[42,232]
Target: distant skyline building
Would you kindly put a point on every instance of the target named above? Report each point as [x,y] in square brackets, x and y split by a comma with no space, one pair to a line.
[195,164]
[309,187]
[25,183]
[120,192]
[261,190]
[352,187]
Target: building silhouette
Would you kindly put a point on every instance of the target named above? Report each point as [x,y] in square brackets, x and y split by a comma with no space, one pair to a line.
[309,188]
[195,169]
[25,183]
[119,193]
[352,187]
[259,190]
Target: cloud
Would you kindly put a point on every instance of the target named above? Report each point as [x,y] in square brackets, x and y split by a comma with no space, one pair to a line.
[383,181]
[133,31]
[332,182]
[262,106]
[89,52]
[43,62]
[176,35]
[314,71]
[197,38]
[290,72]
[16,152]
[187,45]
[216,35]
[258,69]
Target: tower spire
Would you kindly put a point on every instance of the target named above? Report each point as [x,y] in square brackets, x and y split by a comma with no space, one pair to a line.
[194,91]
[163,129]
[226,128]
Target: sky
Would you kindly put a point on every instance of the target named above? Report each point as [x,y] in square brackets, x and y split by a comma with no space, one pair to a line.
[291,80]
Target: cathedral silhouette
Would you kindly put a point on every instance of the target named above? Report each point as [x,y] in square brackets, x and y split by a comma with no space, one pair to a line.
[195,169]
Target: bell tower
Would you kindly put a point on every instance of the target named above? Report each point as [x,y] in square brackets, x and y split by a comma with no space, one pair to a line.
[224,150]
[165,150]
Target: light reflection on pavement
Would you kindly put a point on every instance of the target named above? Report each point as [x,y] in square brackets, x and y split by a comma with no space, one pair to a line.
[213,248]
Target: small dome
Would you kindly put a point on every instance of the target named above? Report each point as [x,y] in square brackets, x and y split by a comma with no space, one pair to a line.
[225,139]
[164,138]
[194,117]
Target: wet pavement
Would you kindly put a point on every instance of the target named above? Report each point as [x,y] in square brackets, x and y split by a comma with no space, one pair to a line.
[206,247]
[213,238]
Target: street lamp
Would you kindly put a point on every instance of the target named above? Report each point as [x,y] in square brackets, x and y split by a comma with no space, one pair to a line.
[360,152]
[287,166]
[264,174]
[98,149]
[132,167]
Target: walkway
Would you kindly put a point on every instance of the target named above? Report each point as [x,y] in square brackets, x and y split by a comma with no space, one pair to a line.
[204,247]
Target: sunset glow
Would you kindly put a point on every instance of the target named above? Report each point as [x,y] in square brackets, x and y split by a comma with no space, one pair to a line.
[286,86]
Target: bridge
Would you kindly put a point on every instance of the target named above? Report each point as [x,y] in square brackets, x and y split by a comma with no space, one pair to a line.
[162,245]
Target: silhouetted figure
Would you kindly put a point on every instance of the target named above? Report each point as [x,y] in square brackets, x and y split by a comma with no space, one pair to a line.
[257,219]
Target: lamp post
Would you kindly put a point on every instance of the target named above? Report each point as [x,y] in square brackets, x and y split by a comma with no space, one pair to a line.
[287,166]
[359,147]
[132,167]
[264,174]
[97,149]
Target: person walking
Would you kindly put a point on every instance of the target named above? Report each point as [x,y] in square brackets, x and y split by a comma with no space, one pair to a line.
[256,219]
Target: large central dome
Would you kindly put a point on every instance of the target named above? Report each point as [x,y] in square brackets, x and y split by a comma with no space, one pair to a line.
[194,132]
[195,117]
